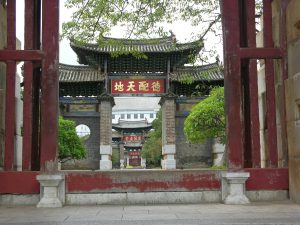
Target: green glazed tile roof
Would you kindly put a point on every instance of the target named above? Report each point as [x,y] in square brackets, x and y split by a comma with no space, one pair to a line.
[158,45]
[209,72]
[71,73]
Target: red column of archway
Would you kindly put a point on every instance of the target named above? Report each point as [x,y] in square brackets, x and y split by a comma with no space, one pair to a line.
[49,88]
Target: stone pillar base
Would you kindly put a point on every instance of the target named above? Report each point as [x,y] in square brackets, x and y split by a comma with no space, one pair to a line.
[233,188]
[105,165]
[168,153]
[122,163]
[143,163]
[168,164]
[105,162]
[52,190]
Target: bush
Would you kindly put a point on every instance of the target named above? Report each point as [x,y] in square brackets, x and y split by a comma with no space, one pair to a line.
[152,148]
[207,119]
[69,144]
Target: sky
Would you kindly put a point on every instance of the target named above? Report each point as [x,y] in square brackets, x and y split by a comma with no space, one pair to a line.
[182,30]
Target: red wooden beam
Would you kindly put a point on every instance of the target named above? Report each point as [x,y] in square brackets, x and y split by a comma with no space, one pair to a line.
[49,99]
[232,81]
[261,53]
[253,89]
[21,55]
[10,89]
[270,87]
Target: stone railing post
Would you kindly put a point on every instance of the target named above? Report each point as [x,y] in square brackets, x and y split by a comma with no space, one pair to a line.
[52,190]
[233,188]
[122,159]
[106,103]
[168,106]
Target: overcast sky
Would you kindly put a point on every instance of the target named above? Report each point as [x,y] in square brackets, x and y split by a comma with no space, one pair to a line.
[182,30]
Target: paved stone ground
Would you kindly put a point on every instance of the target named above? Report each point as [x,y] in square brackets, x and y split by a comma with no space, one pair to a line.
[254,213]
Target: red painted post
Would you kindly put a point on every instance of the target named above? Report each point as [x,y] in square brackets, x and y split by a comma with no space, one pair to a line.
[10,89]
[27,116]
[270,87]
[253,88]
[232,81]
[49,98]
[32,41]
[27,95]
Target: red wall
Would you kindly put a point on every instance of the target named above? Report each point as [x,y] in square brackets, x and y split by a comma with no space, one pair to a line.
[143,181]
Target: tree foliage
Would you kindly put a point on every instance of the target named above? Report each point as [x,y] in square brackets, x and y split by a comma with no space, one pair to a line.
[93,19]
[152,148]
[207,119]
[69,144]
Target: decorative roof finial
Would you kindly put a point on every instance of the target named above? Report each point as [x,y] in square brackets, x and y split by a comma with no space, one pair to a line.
[173,36]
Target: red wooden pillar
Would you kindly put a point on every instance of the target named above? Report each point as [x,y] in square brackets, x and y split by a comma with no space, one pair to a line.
[232,82]
[28,78]
[49,89]
[10,89]
[270,87]
[31,158]
[253,87]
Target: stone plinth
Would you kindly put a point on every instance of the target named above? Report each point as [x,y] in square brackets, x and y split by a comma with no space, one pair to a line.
[169,161]
[218,150]
[122,166]
[233,188]
[143,163]
[105,162]
[52,190]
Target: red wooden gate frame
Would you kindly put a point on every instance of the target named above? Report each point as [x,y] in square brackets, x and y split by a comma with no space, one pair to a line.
[240,54]
[40,84]
[41,97]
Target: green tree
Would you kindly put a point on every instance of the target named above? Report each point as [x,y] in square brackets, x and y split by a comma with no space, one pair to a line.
[207,119]
[151,150]
[69,144]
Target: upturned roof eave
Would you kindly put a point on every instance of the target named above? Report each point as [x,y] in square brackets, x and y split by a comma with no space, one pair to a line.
[195,46]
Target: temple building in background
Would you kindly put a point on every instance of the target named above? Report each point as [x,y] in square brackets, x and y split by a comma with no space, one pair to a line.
[124,90]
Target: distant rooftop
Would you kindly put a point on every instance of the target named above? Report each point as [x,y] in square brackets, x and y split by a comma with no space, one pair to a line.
[131,125]
[136,104]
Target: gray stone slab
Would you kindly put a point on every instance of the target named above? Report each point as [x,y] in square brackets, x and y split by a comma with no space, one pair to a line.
[147,216]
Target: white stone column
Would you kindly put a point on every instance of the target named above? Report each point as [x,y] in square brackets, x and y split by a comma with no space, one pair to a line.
[105,162]
[233,188]
[127,161]
[143,163]
[52,190]
[218,150]
[19,124]
[121,148]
